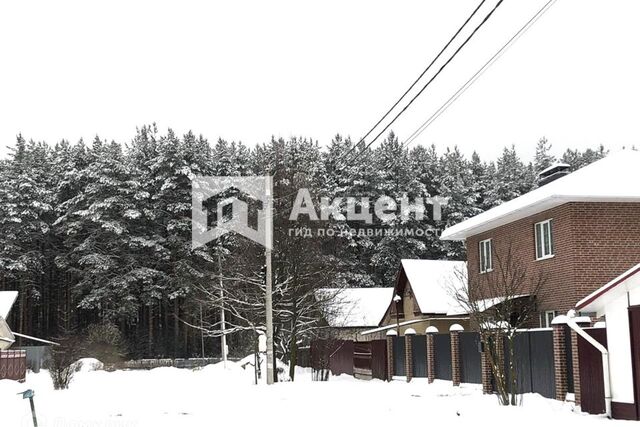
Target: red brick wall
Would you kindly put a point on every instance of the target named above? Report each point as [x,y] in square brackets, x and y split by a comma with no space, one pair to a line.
[594,243]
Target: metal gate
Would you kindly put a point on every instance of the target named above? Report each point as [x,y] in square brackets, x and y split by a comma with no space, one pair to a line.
[470,358]
[379,359]
[398,356]
[442,344]
[534,362]
[362,360]
[591,376]
[419,355]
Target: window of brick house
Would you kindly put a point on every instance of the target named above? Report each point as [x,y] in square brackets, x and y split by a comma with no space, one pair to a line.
[486,263]
[544,239]
[547,317]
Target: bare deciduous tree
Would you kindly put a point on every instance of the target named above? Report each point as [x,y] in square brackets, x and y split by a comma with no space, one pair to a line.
[499,303]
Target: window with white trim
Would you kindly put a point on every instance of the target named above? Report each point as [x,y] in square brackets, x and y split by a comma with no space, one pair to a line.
[549,315]
[544,239]
[486,264]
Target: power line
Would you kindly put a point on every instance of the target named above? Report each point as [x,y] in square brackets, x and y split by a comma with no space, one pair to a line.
[420,76]
[478,73]
[486,18]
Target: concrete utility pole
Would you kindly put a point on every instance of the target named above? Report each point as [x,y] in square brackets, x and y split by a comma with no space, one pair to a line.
[268,297]
[223,326]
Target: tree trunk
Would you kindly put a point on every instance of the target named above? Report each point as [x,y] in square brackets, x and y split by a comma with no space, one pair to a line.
[293,356]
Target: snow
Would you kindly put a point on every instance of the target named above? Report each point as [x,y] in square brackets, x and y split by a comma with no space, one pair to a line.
[219,395]
[89,364]
[611,179]
[358,307]
[434,284]
[7,298]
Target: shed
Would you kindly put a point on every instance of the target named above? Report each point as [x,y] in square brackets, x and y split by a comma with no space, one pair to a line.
[619,302]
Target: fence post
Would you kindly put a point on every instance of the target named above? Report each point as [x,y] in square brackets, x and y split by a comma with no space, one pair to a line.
[454,331]
[431,353]
[559,357]
[390,334]
[583,322]
[487,387]
[408,353]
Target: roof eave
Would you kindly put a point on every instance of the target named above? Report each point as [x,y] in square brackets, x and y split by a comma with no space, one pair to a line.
[458,232]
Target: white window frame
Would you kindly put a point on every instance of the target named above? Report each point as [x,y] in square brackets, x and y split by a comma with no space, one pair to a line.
[546,321]
[546,249]
[485,256]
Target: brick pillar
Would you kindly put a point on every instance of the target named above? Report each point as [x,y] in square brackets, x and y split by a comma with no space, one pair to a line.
[408,353]
[431,357]
[455,353]
[487,387]
[390,336]
[559,358]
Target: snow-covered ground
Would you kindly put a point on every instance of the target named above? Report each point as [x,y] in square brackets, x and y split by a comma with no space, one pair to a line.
[216,395]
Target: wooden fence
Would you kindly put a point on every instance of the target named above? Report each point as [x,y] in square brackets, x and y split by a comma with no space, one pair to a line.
[13,365]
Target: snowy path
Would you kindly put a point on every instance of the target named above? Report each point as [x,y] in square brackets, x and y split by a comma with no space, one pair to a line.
[214,396]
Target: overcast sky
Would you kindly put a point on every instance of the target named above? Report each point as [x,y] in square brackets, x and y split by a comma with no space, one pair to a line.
[246,70]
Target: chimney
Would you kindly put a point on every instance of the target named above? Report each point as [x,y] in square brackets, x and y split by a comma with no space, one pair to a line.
[553,172]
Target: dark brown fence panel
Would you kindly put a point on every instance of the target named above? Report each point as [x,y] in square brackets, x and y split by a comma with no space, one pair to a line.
[419,356]
[470,358]
[379,359]
[13,365]
[398,356]
[442,344]
[341,359]
[331,355]
[591,376]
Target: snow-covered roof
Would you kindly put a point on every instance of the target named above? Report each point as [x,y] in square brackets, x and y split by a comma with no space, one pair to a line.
[597,300]
[7,298]
[356,307]
[434,284]
[611,179]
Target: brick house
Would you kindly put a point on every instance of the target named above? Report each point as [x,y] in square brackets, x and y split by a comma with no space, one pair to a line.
[423,294]
[579,230]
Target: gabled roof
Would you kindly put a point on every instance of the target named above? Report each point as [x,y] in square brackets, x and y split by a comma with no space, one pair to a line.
[597,300]
[356,307]
[434,284]
[7,298]
[611,179]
